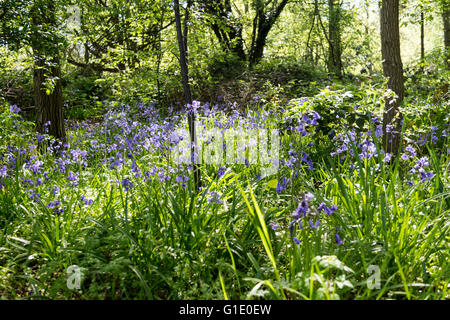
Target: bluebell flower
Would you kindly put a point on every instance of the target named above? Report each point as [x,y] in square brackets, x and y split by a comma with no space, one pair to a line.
[135,169]
[73,177]
[422,162]
[53,204]
[36,167]
[291,226]
[411,151]
[86,201]
[314,225]
[35,196]
[214,198]
[296,240]
[379,131]
[221,172]
[39,182]
[338,239]
[3,172]
[426,176]
[308,197]
[274,225]
[282,185]
[14,109]
[328,211]
[126,184]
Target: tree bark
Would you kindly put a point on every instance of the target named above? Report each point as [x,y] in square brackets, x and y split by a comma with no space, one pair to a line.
[393,70]
[49,105]
[422,38]
[182,41]
[334,38]
[446,21]
[226,28]
[48,99]
[262,24]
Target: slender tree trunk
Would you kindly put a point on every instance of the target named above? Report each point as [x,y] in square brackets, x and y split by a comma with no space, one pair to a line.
[393,70]
[422,39]
[446,21]
[309,51]
[187,90]
[334,38]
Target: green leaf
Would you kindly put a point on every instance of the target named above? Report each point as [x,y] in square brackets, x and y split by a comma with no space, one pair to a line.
[272,183]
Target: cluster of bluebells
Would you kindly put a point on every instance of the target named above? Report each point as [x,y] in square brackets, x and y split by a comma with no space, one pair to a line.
[122,142]
[348,143]
[305,125]
[214,197]
[305,215]
[56,206]
[421,165]
[296,160]
[86,201]
[434,135]
[363,143]
[420,170]
[127,184]
[283,184]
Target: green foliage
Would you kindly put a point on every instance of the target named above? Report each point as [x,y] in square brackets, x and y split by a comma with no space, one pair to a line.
[111,201]
[83,94]
[15,78]
[225,66]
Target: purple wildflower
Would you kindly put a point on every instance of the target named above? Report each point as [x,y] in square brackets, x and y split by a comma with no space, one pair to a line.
[14,109]
[338,239]
[314,225]
[214,198]
[282,185]
[86,201]
[411,151]
[53,204]
[3,172]
[274,225]
[126,184]
[73,177]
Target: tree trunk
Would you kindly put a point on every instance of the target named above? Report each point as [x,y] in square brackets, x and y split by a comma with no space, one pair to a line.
[226,28]
[262,24]
[257,50]
[422,39]
[393,70]
[47,73]
[182,42]
[446,20]
[334,38]
[48,102]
